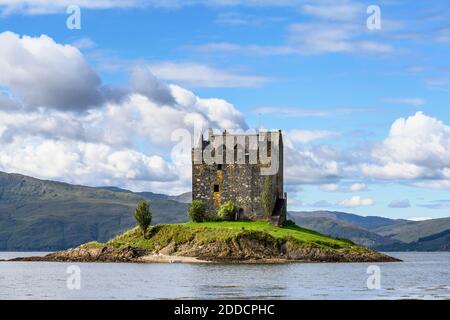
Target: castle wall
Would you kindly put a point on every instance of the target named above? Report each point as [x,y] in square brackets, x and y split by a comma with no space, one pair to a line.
[242,183]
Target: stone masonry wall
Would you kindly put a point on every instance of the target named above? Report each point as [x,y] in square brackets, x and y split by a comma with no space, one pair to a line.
[216,184]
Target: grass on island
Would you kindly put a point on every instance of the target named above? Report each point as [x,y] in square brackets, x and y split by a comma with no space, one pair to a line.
[160,236]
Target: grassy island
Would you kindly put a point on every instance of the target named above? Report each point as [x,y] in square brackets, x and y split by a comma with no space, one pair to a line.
[220,242]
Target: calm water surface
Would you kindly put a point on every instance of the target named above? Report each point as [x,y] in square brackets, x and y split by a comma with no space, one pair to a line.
[421,275]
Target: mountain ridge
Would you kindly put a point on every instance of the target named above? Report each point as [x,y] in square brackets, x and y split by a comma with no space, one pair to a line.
[377,232]
[45,215]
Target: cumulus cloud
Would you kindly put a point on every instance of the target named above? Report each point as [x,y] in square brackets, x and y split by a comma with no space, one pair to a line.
[82,162]
[318,164]
[143,81]
[57,76]
[417,147]
[123,142]
[415,151]
[357,201]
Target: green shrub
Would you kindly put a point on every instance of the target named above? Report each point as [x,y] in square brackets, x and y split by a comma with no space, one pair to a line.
[227,211]
[196,211]
[289,223]
[143,216]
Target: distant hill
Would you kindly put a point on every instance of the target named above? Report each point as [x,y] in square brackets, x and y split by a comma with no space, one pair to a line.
[369,223]
[378,232]
[342,229]
[411,231]
[183,198]
[436,242]
[47,215]
[40,215]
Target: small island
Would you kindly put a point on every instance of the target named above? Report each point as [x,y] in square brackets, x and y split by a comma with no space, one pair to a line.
[219,242]
[238,215]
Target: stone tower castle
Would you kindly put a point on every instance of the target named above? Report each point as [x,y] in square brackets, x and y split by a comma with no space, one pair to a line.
[240,168]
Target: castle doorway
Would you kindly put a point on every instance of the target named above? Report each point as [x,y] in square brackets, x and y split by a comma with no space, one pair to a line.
[239,214]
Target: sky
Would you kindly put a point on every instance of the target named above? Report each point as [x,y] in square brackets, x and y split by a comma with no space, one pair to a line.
[362,99]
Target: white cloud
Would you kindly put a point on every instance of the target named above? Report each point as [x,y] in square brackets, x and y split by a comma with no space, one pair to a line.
[335,10]
[335,27]
[84,43]
[144,82]
[309,38]
[416,148]
[52,6]
[318,164]
[317,38]
[87,163]
[43,73]
[239,19]
[122,142]
[227,47]
[357,201]
[334,187]
[358,187]
[199,75]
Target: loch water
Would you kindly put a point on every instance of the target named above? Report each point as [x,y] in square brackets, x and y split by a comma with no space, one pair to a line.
[421,275]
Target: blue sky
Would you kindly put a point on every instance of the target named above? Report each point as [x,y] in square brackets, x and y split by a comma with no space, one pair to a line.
[365,111]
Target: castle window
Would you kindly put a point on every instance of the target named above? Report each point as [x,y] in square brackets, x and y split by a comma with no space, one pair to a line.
[216,188]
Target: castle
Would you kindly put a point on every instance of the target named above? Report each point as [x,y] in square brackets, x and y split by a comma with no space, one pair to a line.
[244,169]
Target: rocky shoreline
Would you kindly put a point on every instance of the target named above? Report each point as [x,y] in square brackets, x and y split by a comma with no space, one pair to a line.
[110,254]
[244,242]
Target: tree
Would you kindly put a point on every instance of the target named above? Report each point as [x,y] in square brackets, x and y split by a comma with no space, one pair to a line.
[196,211]
[267,199]
[227,211]
[143,216]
